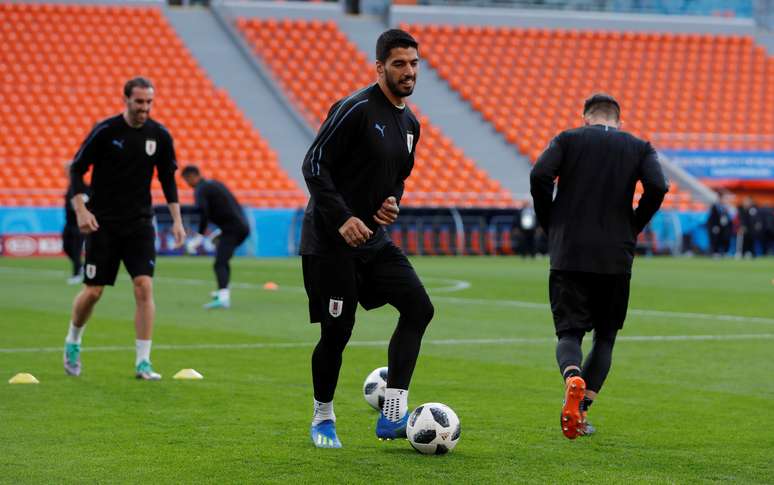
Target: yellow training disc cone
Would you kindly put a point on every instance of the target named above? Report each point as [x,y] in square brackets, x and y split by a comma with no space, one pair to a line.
[23,378]
[188,374]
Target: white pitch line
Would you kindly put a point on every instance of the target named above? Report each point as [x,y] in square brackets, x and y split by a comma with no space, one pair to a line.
[456,285]
[382,343]
[632,311]
[452,284]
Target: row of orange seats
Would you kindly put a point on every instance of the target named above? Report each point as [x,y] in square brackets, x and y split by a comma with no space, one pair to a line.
[481,34]
[207,125]
[527,95]
[314,84]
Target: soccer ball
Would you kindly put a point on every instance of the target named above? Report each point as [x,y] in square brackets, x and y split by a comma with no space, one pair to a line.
[433,429]
[373,387]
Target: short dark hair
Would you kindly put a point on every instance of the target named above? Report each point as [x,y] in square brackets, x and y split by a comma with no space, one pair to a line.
[137,82]
[603,104]
[190,170]
[391,39]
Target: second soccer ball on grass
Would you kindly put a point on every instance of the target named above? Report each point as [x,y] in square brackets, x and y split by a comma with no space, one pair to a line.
[374,386]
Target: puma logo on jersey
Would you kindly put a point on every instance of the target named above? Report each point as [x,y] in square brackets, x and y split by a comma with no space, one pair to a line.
[380,128]
[119,143]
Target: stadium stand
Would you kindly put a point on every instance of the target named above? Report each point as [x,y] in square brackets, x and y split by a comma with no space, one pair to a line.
[64,67]
[681,90]
[316,64]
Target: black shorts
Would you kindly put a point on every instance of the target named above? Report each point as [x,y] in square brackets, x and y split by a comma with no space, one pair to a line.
[134,244]
[586,301]
[336,284]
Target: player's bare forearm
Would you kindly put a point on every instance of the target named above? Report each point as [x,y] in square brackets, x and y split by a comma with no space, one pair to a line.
[174,210]
[177,223]
[78,202]
[87,223]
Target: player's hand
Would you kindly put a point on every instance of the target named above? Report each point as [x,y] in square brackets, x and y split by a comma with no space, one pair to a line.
[355,232]
[179,233]
[87,223]
[388,212]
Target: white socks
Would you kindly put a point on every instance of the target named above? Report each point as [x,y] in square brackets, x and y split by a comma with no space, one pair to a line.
[322,411]
[74,334]
[395,404]
[143,348]
[224,295]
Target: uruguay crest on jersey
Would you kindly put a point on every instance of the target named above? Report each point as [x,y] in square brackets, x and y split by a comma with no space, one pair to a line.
[409,140]
[150,146]
[335,306]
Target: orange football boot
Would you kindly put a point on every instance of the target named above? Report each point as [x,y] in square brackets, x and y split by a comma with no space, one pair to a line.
[572,420]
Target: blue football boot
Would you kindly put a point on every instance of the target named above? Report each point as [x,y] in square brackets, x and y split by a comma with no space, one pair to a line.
[324,434]
[388,430]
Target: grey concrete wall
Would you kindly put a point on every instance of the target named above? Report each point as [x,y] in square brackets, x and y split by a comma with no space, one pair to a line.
[231,68]
[571,20]
[766,39]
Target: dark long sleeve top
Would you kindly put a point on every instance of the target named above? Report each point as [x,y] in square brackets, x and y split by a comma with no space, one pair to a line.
[218,205]
[590,223]
[123,160]
[362,155]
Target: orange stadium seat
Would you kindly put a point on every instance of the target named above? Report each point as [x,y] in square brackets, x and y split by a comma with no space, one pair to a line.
[683,91]
[298,54]
[65,65]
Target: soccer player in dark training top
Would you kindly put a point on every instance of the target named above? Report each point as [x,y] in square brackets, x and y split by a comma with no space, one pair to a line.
[218,205]
[355,170]
[592,231]
[122,151]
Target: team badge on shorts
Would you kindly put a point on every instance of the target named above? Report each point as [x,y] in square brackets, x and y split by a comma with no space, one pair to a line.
[91,270]
[409,140]
[335,306]
[150,146]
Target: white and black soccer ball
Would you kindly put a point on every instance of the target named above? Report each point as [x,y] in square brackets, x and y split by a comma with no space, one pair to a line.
[433,429]
[374,386]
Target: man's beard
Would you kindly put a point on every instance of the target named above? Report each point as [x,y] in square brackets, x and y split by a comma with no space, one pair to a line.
[138,117]
[396,90]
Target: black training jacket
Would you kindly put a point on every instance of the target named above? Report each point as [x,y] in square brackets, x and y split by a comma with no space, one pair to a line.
[362,154]
[123,159]
[218,205]
[590,223]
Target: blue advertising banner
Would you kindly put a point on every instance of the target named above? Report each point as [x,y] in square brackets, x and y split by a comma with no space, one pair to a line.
[270,232]
[31,220]
[273,232]
[725,165]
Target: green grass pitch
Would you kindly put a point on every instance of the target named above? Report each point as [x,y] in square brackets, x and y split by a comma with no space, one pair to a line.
[689,398]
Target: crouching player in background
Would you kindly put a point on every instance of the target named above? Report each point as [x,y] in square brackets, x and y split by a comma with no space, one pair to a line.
[218,205]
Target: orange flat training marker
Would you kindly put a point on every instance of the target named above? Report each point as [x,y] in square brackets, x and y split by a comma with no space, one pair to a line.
[572,421]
